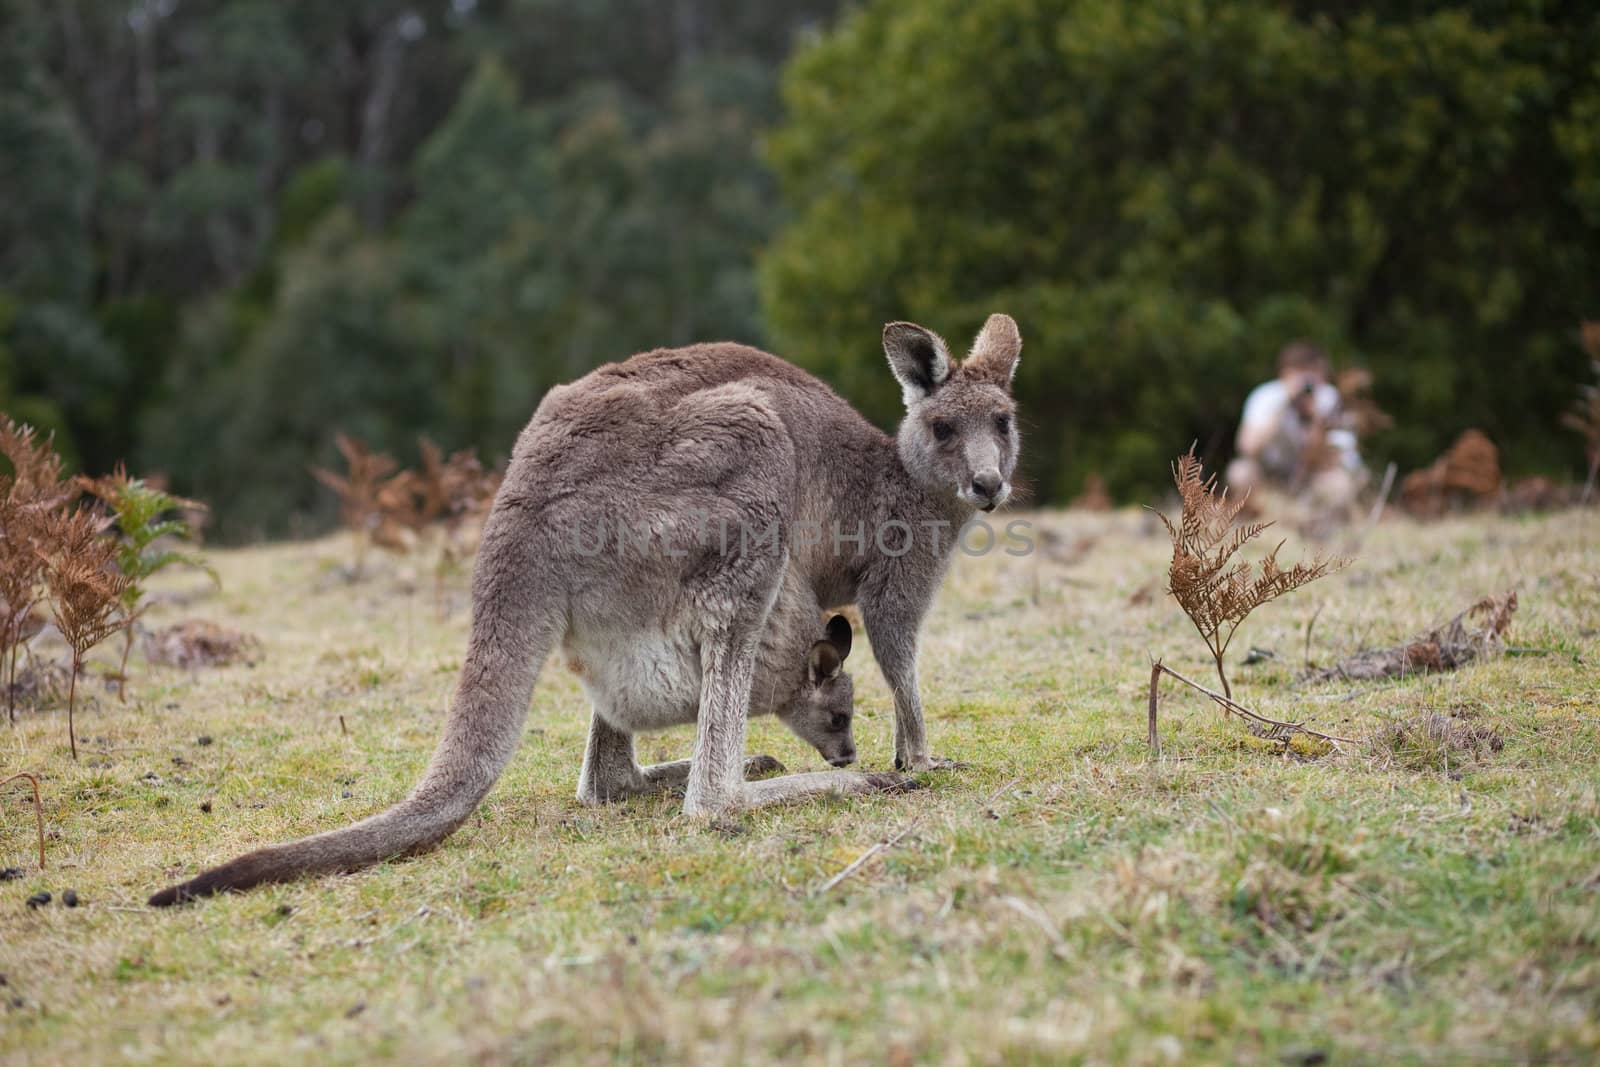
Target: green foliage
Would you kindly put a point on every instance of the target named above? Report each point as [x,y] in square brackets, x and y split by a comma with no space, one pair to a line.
[336,348]
[231,228]
[476,203]
[46,171]
[1163,194]
[137,510]
[544,238]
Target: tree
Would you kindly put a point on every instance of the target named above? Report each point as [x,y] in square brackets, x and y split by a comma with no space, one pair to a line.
[338,350]
[1165,193]
[221,213]
[51,350]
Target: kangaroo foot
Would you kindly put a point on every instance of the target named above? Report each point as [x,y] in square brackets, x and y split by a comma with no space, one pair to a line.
[757,766]
[890,782]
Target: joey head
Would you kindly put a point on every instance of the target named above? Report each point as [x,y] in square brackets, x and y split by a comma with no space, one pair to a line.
[824,706]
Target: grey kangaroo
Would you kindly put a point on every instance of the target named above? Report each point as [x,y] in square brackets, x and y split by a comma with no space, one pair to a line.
[766,498]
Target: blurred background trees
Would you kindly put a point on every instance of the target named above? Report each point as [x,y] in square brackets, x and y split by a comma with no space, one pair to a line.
[1164,193]
[229,228]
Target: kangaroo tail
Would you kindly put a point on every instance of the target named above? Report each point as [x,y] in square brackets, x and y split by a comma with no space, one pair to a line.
[513,629]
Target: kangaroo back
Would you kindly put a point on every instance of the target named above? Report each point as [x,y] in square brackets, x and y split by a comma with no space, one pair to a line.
[516,619]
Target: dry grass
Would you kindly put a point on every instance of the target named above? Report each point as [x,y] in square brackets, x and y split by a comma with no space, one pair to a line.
[1443,648]
[1431,901]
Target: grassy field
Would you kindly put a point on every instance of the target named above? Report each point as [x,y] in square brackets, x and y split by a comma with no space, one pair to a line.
[1064,899]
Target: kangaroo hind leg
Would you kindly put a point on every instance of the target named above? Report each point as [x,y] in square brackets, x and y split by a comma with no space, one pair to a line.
[610,771]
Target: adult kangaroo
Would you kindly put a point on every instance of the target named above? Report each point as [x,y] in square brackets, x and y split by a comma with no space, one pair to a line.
[655,512]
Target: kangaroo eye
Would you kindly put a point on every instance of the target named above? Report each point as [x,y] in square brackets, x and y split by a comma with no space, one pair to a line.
[1002,423]
[943,431]
[841,722]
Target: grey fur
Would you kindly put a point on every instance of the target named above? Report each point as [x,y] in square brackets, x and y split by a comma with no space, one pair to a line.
[689,443]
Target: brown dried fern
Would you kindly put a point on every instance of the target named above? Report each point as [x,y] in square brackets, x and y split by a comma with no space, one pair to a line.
[1443,648]
[401,511]
[20,573]
[1214,589]
[358,490]
[450,491]
[85,587]
[31,491]
[36,471]
[441,490]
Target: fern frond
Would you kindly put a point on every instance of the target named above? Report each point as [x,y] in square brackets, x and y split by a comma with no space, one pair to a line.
[1215,589]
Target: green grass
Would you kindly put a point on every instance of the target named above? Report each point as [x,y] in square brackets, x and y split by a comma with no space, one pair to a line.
[1416,901]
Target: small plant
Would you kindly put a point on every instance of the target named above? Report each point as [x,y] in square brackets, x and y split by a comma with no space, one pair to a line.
[136,510]
[1215,590]
[359,504]
[33,490]
[1585,414]
[441,492]
[1466,476]
[395,510]
[451,490]
[85,587]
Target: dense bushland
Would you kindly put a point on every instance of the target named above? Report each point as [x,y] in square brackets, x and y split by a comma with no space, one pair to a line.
[1165,193]
[232,226]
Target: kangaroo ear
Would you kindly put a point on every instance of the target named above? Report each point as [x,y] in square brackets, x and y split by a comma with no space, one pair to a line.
[995,351]
[839,635]
[918,357]
[824,662]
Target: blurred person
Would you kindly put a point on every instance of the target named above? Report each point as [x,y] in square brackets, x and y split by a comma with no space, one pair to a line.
[1292,433]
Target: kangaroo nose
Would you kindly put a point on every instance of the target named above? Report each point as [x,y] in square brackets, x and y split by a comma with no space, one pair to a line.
[986,484]
[844,760]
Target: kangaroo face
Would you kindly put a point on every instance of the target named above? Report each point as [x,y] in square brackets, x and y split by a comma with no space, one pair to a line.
[822,710]
[959,435]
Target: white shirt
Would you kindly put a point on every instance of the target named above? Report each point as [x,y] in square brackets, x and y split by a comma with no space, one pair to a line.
[1281,453]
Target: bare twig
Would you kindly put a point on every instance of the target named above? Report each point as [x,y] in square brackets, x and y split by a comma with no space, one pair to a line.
[1279,729]
[1383,497]
[72,694]
[38,808]
[1155,695]
[889,842]
[1310,625]
[861,860]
